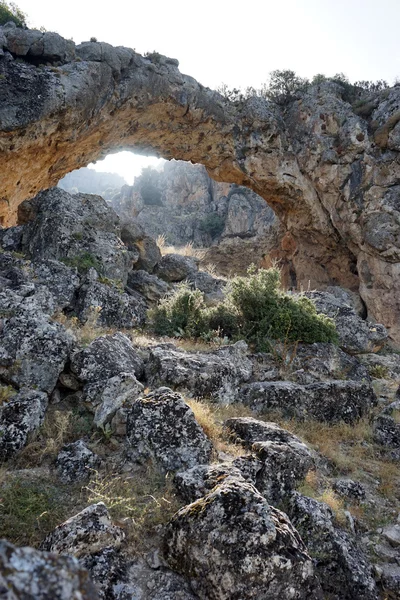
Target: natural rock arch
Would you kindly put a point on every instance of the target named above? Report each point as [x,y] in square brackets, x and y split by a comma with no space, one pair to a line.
[331,175]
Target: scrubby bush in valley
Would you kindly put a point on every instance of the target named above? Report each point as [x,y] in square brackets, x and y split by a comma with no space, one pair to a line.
[213,224]
[255,309]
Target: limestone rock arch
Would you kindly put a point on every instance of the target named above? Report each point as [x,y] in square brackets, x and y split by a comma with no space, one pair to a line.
[331,175]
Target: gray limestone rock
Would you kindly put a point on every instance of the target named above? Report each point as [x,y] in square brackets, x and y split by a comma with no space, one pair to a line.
[106,396]
[75,462]
[330,401]
[85,533]
[11,238]
[355,334]
[161,427]
[81,230]
[28,574]
[106,356]
[20,416]
[175,267]
[33,350]
[386,428]
[144,247]
[215,374]
[349,489]
[151,287]
[248,430]
[60,280]
[232,544]
[114,308]
[212,287]
[343,570]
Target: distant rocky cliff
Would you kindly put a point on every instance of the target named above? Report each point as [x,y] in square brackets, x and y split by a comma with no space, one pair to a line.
[183,204]
[328,167]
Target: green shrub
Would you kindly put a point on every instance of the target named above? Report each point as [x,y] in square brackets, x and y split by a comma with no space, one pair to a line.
[83,262]
[182,314]
[9,11]
[213,224]
[255,309]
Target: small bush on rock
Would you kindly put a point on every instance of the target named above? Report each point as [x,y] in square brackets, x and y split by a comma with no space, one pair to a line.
[255,309]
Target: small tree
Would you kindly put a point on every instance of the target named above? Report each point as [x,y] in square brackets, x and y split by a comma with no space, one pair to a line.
[9,11]
[283,86]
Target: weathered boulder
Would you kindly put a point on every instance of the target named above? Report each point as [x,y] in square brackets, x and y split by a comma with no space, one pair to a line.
[284,466]
[355,335]
[88,532]
[119,578]
[161,427]
[114,307]
[248,430]
[151,287]
[75,462]
[215,374]
[20,416]
[106,396]
[26,573]
[11,238]
[386,429]
[175,267]
[212,287]
[33,350]
[60,280]
[44,46]
[349,489]
[201,479]
[81,229]
[330,401]
[232,544]
[143,247]
[343,570]
[106,356]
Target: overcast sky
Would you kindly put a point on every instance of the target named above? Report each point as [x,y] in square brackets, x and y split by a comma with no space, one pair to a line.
[219,41]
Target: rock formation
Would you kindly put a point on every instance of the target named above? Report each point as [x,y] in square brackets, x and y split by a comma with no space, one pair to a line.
[328,169]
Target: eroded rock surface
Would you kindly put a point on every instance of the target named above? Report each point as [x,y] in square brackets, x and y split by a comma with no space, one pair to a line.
[232,544]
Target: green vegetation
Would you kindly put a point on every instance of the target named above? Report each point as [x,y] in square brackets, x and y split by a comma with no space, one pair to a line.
[284,86]
[213,224]
[255,309]
[83,262]
[9,11]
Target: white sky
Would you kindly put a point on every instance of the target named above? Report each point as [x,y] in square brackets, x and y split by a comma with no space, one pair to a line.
[236,43]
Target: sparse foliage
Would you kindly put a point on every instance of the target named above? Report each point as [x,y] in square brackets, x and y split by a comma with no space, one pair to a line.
[9,11]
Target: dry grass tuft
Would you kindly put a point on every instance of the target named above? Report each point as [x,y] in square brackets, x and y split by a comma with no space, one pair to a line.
[208,416]
[84,332]
[187,250]
[140,503]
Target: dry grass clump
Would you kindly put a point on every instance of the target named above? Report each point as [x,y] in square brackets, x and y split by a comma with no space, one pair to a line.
[6,393]
[84,332]
[187,250]
[210,418]
[140,502]
[59,427]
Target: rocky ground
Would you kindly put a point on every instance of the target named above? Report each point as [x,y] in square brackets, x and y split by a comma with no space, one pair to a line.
[159,469]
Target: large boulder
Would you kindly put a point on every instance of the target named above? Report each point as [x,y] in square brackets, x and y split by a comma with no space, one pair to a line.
[21,415]
[355,334]
[33,350]
[343,570]
[163,428]
[76,462]
[114,307]
[386,429]
[330,401]
[106,356]
[150,286]
[105,397]
[248,430]
[215,374]
[60,280]
[175,267]
[143,247]
[85,533]
[27,574]
[233,545]
[80,229]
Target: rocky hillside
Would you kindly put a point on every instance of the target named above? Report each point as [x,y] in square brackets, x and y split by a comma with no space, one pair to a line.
[156,469]
[326,163]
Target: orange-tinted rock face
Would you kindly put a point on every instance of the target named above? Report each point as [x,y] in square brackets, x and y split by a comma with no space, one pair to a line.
[331,176]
